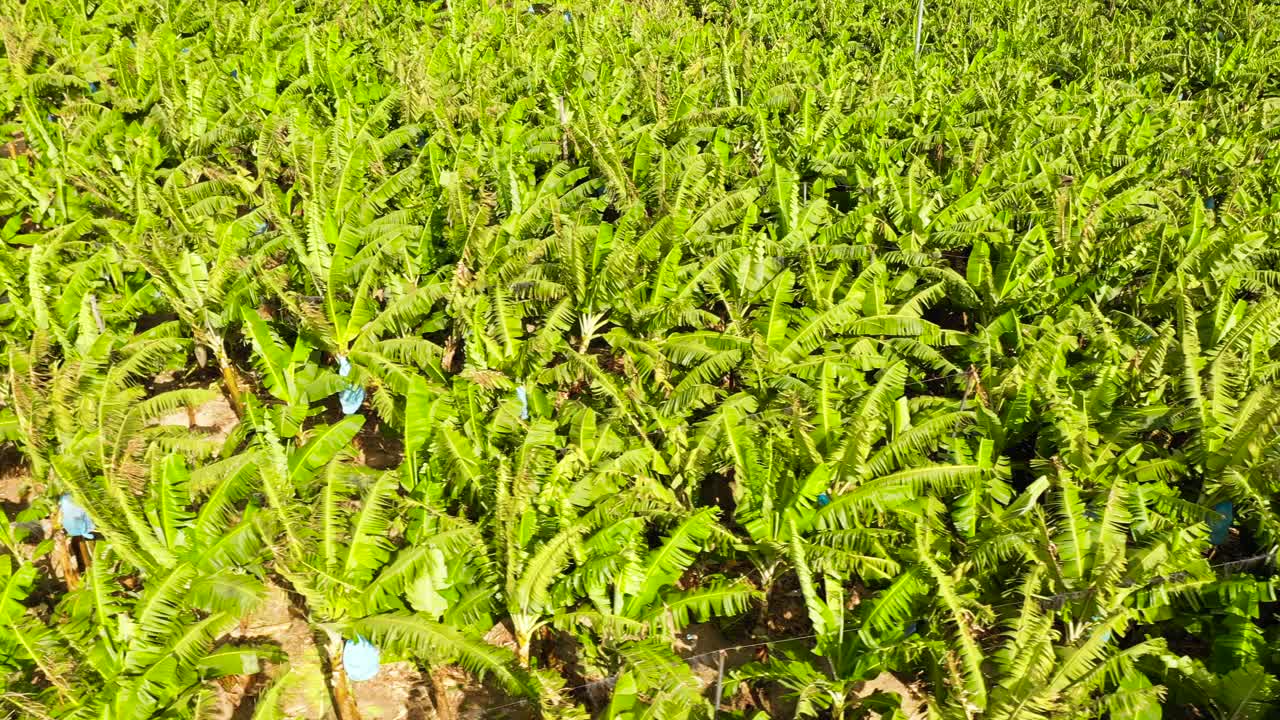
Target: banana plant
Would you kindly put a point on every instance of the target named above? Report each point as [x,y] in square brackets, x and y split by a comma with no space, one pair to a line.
[203,279]
[1232,415]
[849,650]
[1041,673]
[289,374]
[89,426]
[356,219]
[125,655]
[656,683]
[638,595]
[341,561]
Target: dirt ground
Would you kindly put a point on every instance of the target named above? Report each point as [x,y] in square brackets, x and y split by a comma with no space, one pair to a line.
[215,419]
[14,481]
[398,692]
[912,702]
[304,693]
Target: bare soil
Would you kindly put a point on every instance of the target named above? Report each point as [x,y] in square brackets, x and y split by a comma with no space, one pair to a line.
[275,623]
[913,705]
[397,692]
[15,481]
[214,419]
[380,449]
[787,615]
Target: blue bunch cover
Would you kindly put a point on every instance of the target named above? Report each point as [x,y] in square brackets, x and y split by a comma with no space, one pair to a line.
[823,499]
[351,399]
[75,520]
[361,659]
[523,396]
[1106,636]
[1219,529]
[352,396]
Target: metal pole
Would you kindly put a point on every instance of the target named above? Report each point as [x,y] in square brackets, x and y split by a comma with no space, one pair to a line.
[919,24]
[719,683]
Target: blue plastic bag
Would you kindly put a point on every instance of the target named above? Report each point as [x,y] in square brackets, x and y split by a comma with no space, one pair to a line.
[352,396]
[361,659]
[351,399]
[1106,636]
[523,396]
[261,229]
[823,499]
[93,87]
[1220,529]
[75,520]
